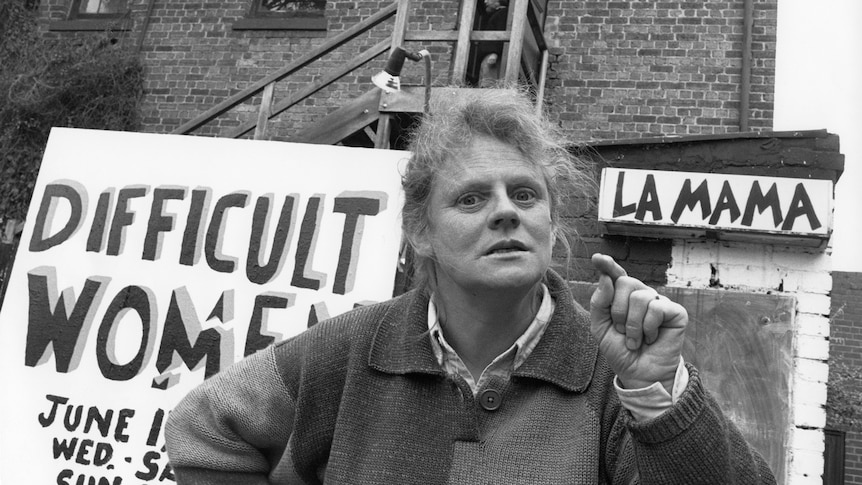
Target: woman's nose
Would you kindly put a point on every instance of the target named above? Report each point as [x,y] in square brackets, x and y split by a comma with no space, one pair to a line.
[504,214]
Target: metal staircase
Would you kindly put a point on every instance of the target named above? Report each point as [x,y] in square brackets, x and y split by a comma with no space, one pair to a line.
[524,60]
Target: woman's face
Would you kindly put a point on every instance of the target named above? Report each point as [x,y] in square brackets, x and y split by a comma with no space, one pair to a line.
[489,221]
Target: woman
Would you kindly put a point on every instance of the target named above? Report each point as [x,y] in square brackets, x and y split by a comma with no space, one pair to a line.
[488,370]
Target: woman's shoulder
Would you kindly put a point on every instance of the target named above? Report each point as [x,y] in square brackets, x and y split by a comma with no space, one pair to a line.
[333,344]
[350,326]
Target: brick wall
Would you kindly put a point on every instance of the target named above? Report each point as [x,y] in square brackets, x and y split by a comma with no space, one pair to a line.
[626,69]
[853,465]
[845,346]
[618,69]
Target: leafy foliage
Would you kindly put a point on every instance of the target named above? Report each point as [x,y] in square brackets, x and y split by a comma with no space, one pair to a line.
[844,388]
[844,396]
[88,82]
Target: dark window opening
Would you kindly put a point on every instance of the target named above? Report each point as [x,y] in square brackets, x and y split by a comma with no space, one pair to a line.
[483,65]
[833,457]
[287,8]
[284,15]
[98,9]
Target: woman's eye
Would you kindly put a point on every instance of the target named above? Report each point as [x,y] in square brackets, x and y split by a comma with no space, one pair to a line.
[468,200]
[524,195]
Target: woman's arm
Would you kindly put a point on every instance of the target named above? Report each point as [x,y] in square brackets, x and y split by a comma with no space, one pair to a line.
[234,427]
[641,335]
[692,442]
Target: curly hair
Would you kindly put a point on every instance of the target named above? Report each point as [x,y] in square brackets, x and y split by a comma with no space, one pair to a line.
[507,115]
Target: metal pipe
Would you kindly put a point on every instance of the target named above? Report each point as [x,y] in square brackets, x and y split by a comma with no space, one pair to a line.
[543,74]
[427,57]
[747,21]
[145,26]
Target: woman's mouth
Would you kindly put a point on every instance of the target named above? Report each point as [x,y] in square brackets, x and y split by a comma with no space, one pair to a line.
[505,247]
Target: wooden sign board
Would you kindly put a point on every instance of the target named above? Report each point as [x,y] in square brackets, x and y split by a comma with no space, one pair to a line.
[655,203]
[149,262]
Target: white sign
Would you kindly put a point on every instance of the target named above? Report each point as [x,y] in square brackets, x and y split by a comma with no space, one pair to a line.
[149,262]
[715,202]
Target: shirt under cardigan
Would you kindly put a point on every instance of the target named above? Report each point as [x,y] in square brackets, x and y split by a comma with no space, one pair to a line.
[644,403]
[361,398]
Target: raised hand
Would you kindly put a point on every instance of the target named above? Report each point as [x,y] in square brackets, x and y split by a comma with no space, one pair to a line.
[640,333]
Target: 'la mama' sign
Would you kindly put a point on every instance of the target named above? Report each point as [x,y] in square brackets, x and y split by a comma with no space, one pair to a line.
[679,204]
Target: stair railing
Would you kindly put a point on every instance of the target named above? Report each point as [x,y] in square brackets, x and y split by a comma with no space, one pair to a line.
[266,85]
[526,49]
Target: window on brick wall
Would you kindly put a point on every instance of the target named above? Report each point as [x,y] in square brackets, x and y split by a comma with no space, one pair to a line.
[95,15]
[284,14]
[99,8]
[288,8]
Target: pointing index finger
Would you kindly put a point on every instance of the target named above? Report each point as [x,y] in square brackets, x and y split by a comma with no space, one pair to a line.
[606,265]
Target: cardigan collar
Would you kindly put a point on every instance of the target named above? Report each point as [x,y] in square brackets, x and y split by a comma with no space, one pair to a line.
[565,356]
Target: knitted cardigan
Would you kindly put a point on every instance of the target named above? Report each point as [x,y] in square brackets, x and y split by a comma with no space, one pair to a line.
[360,398]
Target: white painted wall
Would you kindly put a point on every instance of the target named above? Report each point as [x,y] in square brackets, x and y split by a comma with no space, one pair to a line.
[804,274]
[818,75]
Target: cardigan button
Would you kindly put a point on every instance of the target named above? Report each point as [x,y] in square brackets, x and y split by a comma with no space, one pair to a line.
[490,399]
